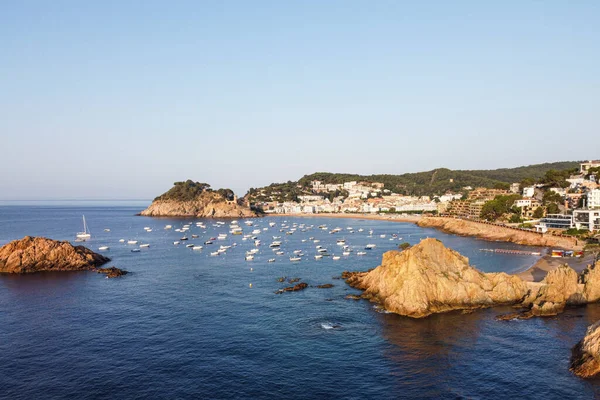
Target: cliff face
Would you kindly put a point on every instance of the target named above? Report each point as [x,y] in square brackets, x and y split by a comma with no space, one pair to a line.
[189,199]
[33,254]
[430,278]
[585,357]
[493,232]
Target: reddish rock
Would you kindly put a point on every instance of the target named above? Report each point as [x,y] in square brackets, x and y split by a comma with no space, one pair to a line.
[34,254]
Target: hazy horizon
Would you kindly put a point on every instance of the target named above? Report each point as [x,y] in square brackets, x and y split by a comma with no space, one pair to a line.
[116,101]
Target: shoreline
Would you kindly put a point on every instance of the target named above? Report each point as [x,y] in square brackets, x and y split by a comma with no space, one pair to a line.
[547,263]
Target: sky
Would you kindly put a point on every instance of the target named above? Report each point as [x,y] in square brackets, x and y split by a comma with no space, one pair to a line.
[119,99]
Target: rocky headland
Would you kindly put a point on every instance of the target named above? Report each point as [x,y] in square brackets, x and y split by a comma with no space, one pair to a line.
[430,278]
[498,233]
[194,199]
[585,356]
[34,254]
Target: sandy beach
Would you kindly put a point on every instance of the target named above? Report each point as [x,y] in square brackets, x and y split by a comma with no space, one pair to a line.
[547,263]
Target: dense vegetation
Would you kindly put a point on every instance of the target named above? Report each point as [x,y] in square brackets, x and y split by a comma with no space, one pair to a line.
[501,205]
[280,192]
[190,190]
[441,180]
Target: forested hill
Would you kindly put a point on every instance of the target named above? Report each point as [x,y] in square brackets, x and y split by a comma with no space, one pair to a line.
[441,180]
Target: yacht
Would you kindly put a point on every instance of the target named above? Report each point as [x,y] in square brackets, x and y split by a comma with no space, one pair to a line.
[85,235]
[103,248]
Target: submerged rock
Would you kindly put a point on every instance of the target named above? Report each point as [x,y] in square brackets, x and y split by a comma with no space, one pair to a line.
[34,254]
[325,286]
[430,278]
[585,357]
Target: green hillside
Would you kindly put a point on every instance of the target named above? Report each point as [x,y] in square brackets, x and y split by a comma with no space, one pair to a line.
[432,182]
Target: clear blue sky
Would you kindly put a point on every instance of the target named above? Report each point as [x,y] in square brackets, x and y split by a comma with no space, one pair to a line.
[119,99]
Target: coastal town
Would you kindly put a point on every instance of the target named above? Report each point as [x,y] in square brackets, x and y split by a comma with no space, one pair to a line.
[568,202]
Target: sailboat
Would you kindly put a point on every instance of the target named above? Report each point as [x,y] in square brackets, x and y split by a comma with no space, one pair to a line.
[85,235]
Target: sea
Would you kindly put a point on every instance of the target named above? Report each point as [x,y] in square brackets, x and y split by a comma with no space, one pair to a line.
[184,324]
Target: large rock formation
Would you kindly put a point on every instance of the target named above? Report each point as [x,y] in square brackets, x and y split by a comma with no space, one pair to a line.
[430,278]
[33,254]
[585,357]
[193,199]
[498,233]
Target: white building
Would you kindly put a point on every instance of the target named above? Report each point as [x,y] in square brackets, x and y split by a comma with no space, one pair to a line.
[593,198]
[587,219]
[528,191]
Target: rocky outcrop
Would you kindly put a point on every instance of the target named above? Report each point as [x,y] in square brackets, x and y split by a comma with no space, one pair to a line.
[295,288]
[497,233]
[111,272]
[585,356]
[33,254]
[189,199]
[430,278]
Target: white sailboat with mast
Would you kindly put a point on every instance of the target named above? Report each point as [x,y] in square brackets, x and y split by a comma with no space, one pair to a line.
[85,235]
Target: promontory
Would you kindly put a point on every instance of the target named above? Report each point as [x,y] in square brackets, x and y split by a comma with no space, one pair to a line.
[35,254]
[195,199]
[430,278]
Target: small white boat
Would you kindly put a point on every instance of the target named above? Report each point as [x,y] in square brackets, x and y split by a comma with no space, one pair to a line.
[271,260]
[346,253]
[322,250]
[168,227]
[280,253]
[297,251]
[121,240]
[370,246]
[215,253]
[176,242]
[361,253]
[382,236]
[85,235]
[132,242]
[249,258]
[197,248]
[145,245]
[189,246]
[318,256]
[336,257]
[293,259]
[106,230]
[103,248]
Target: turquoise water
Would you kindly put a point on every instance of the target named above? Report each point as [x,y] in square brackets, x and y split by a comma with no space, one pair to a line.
[185,324]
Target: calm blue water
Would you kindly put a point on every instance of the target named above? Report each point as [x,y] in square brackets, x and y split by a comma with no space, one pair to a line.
[184,324]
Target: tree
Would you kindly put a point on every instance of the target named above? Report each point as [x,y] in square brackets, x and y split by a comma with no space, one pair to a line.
[538,213]
[515,219]
[551,197]
[494,209]
[552,208]
[404,246]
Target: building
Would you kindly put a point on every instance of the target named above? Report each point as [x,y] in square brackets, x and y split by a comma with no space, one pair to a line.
[587,219]
[593,199]
[486,194]
[309,198]
[514,188]
[557,221]
[528,191]
[584,167]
